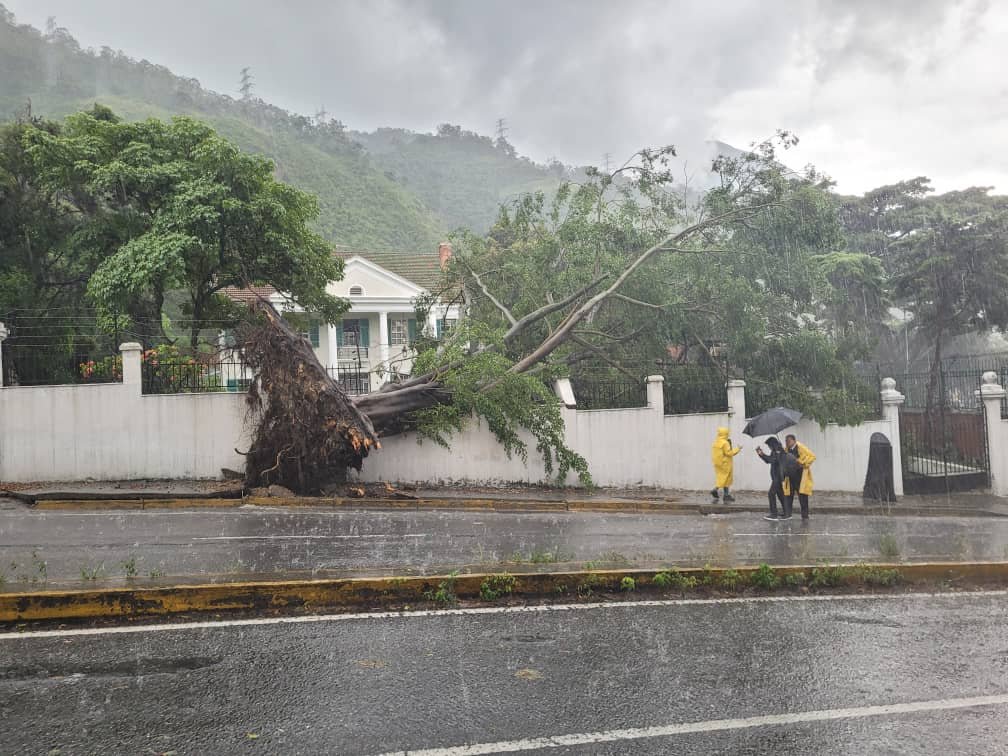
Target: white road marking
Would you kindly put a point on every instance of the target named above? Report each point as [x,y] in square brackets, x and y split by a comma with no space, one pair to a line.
[713,725]
[538,608]
[308,537]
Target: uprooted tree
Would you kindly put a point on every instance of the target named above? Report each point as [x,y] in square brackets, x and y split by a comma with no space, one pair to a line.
[626,262]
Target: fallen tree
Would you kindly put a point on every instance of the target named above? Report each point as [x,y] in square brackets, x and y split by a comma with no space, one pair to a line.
[618,265]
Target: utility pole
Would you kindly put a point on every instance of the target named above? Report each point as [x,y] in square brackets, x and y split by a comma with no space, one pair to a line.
[247,83]
[501,130]
[606,160]
[321,116]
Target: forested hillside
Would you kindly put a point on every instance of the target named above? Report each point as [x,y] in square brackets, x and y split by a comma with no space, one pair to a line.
[388,189]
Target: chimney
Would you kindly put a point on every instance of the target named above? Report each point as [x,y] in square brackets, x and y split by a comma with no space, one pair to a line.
[444,252]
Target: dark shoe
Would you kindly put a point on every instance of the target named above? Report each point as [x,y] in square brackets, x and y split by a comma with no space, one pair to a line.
[785,517]
[713,493]
[772,518]
[728,498]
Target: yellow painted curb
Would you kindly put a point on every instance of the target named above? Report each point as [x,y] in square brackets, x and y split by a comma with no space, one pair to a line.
[130,601]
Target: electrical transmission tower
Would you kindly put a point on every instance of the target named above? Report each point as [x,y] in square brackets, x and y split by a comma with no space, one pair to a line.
[247,83]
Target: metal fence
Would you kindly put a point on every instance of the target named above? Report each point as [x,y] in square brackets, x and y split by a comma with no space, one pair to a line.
[863,396]
[194,377]
[952,389]
[594,395]
[353,380]
[690,389]
[32,366]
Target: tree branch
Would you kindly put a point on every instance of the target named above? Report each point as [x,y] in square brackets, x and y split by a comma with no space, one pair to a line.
[548,309]
[486,292]
[562,333]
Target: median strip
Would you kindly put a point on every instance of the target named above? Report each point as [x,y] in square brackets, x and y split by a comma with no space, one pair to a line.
[260,596]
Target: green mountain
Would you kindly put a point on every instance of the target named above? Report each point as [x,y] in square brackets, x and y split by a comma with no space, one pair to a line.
[390,189]
[460,175]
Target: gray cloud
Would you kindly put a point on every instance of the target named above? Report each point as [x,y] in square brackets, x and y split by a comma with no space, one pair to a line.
[579,78]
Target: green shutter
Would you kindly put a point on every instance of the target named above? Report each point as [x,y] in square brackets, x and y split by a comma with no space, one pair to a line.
[411,330]
[365,336]
[440,327]
[339,334]
[313,333]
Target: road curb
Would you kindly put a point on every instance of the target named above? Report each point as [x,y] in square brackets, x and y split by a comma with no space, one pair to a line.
[290,595]
[611,506]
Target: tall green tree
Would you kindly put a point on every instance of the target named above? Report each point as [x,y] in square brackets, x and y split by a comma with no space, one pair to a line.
[42,280]
[951,271]
[171,206]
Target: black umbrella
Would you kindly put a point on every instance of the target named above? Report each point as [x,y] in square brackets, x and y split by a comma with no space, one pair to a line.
[772,421]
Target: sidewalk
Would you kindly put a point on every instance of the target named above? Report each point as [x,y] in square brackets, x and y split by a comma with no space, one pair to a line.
[521,498]
[39,549]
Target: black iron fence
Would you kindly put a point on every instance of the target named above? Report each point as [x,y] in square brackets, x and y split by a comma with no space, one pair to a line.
[32,366]
[353,380]
[952,389]
[194,377]
[858,397]
[596,394]
[690,389]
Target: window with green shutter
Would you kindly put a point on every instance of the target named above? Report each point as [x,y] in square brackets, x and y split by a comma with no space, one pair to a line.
[313,333]
[411,330]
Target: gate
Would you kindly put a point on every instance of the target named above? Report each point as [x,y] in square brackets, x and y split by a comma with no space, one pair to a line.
[943,434]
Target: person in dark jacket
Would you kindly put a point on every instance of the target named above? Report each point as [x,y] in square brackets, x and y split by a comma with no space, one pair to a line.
[776,492]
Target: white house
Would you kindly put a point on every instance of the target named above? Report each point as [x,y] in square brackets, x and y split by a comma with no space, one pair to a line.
[371,345]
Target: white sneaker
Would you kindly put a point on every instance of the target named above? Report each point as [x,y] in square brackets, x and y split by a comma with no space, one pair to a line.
[770,517]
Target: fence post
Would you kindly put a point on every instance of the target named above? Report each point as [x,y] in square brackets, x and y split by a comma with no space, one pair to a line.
[132,374]
[997,442]
[736,400]
[656,393]
[891,402]
[565,393]
[4,333]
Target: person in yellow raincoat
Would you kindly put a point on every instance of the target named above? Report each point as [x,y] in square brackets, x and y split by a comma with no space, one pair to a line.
[800,482]
[723,457]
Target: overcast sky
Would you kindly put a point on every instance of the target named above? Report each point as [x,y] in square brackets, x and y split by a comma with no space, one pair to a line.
[878,91]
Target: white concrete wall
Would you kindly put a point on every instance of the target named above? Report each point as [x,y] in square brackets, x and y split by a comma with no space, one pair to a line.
[112,432]
[841,455]
[636,448]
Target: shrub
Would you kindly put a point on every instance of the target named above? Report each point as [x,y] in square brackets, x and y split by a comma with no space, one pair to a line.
[730,580]
[495,586]
[829,577]
[628,584]
[764,577]
[794,579]
[674,579]
[445,592]
[872,575]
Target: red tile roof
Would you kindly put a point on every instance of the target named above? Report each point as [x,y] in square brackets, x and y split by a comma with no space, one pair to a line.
[249,295]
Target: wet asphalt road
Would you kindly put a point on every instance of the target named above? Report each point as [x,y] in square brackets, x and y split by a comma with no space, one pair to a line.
[255,540]
[370,685]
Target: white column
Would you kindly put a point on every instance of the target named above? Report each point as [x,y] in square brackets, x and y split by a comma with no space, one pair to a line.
[332,344]
[131,357]
[4,333]
[997,432]
[747,476]
[656,393]
[891,402]
[565,393]
[383,345]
